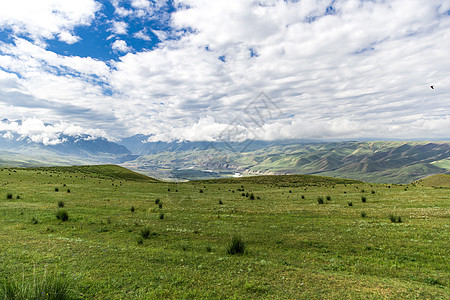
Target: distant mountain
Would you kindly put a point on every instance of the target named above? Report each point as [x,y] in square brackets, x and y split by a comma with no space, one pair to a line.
[391,162]
[138,144]
[79,148]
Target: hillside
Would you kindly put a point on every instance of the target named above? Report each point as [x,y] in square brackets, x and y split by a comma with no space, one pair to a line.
[98,171]
[388,162]
[438,180]
[104,232]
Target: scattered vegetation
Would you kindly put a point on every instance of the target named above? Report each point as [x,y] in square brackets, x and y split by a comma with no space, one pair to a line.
[395,219]
[62,215]
[236,245]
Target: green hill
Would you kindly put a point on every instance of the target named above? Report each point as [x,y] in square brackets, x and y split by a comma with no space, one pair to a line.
[285,180]
[438,180]
[99,171]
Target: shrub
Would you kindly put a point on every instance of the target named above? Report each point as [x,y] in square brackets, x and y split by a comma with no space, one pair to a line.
[145,233]
[140,240]
[34,221]
[395,219]
[68,190]
[350,204]
[157,201]
[160,205]
[328,198]
[252,197]
[373,192]
[62,215]
[9,196]
[161,216]
[303,196]
[56,190]
[363,214]
[60,204]
[201,191]
[220,202]
[320,200]
[132,209]
[363,199]
[236,246]
[208,249]
[51,286]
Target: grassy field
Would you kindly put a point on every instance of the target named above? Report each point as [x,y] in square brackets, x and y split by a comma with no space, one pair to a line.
[127,237]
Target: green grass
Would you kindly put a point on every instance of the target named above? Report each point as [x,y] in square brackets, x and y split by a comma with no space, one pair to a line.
[295,248]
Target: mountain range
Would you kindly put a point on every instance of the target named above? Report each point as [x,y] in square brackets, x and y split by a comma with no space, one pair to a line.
[380,161]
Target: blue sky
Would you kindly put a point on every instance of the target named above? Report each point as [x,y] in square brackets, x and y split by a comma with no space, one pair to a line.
[195,69]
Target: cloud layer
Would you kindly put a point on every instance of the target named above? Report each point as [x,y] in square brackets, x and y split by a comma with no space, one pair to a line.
[343,69]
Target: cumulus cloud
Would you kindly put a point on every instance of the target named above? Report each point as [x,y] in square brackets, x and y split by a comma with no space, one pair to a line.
[119,27]
[48,134]
[335,69]
[47,19]
[120,46]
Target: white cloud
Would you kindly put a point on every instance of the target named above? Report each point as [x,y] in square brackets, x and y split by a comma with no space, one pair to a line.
[363,71]
[142,35]
[119,27]
[68,38]
[48,134]
[47,19]
[120,46]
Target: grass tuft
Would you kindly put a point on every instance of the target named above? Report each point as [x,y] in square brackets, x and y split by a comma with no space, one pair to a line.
[236,246]
[62,215]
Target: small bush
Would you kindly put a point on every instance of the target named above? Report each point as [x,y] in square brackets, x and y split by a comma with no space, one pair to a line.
[363,199]
[373,192]
[56,190]
[160,205]
[145,233]
[60,204]
[201,191]
[320,200]
[34,221]
[9,196]
[68,190]
[350,204]
[328,198]
[220,202]
[17,197]
[252,197]
[140,240]
[363,214]
[303,196]
[132,209]
[51,286]
[62,215]
[236,246]
[157,201]
[208,249]
[395,219]
[161,216]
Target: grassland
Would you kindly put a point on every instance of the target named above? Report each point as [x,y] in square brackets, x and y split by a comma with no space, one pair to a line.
[296,248]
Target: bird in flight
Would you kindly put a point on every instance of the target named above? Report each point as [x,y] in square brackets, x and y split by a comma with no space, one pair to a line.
[432,87]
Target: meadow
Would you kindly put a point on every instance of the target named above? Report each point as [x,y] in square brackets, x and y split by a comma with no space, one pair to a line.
[103,232]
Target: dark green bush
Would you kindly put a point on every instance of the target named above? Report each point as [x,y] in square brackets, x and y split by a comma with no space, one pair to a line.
[236,246]
[363,214]
[363,199]
[9,196]
[395,219]
[320,200]
[145,233]
[62,215]
[61,204]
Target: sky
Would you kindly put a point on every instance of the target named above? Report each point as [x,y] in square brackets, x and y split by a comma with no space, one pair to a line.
[203,70]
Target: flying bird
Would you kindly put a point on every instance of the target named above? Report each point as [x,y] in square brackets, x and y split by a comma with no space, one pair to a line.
[432,87]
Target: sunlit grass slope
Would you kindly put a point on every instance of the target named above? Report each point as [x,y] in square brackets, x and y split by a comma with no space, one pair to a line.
[130,237]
